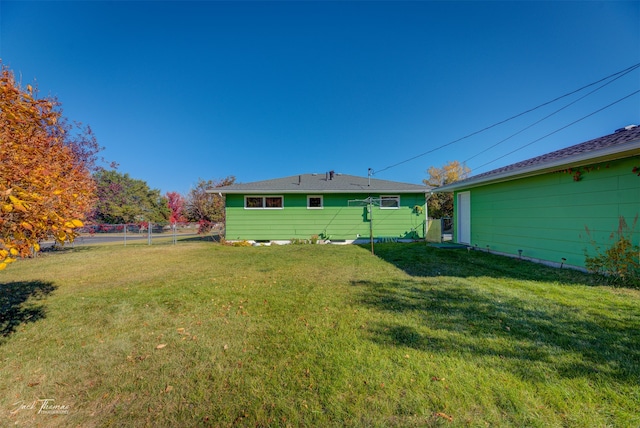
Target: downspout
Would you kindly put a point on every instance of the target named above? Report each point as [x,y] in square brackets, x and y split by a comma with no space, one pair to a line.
[223,237]
[427,196]
[371,222]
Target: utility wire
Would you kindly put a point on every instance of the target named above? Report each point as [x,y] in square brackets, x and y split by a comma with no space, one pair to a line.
[559,129]
[547,117]
[626,70]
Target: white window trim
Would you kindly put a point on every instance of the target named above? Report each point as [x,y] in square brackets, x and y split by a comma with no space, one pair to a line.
[264,202]
[321,202]
[397,197]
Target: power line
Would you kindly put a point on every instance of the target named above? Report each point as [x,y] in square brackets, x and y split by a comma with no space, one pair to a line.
[548,116]
[625,71]
[560,129]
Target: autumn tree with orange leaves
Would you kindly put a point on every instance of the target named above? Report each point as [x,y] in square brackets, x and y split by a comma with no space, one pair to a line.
[440,205]
[207,208]
[46,187]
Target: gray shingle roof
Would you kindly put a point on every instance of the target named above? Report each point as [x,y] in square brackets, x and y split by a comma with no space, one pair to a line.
[624,142]
[321,183]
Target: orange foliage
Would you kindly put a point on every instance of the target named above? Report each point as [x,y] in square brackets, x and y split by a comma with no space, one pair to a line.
[46,187]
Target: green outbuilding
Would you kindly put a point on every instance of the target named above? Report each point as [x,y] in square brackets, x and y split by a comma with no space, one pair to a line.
[555,208]
[329,207]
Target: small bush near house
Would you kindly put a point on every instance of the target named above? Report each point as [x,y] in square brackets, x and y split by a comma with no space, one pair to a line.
[620,263]
[297,241]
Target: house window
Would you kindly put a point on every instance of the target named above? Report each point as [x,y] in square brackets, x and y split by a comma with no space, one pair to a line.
[273,202]
[314,202]
[263,202]
[253,202]
[389,202]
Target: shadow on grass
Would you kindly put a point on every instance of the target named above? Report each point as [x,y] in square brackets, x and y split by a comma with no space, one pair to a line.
[201,238]
[69,248]
[18,304]
[528,335]
[421,260]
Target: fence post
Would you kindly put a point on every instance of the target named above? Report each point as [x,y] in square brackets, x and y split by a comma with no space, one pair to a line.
[174,233]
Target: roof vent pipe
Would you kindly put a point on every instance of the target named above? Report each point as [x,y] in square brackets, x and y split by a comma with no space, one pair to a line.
[626,128]
[326,177]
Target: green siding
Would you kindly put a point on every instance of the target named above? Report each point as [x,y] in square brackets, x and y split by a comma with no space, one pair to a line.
[545,216]
[337,220]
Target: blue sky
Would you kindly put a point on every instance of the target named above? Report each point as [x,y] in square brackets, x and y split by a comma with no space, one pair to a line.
[177,91]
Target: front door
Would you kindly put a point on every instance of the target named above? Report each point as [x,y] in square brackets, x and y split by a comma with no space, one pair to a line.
[464,218]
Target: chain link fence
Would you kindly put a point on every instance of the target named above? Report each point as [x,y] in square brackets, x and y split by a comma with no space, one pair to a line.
[140,233]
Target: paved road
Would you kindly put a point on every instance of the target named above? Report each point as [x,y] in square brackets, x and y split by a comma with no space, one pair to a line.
[119,237]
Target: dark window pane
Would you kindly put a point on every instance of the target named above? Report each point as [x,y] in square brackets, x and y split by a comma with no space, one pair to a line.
[389,201]
[273,202]
[253,202]
[315,202]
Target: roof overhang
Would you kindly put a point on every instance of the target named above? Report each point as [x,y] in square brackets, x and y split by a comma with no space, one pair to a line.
[316,184]
[620,151]
[316,191]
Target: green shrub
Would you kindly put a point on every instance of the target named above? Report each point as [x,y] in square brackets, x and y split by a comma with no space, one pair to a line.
[297,241]
[620,263]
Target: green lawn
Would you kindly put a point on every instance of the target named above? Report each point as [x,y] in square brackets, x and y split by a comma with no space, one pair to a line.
[200,334]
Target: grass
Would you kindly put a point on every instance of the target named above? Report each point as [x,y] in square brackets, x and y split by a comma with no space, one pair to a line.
[200,334]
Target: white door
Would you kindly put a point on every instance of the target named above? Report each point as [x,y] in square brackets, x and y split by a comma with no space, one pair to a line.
[464,218]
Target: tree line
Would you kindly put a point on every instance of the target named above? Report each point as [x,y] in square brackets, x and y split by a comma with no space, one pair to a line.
[123,199]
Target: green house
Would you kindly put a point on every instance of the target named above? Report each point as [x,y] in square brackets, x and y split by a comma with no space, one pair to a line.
[554,208]
[333,207]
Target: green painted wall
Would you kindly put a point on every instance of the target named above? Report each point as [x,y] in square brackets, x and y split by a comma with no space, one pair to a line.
[336,221]
[546,216]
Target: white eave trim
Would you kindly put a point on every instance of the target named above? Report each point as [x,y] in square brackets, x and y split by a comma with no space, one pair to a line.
[316,191]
